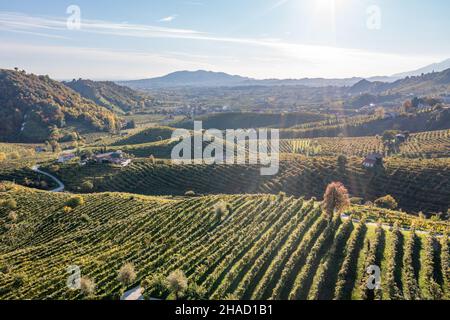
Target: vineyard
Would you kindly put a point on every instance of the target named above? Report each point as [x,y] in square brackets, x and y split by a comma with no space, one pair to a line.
[359,126]
[417,185]
[145,136]
[426,145]
[262,247]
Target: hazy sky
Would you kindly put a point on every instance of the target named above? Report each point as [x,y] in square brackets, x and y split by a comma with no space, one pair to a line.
[257,38]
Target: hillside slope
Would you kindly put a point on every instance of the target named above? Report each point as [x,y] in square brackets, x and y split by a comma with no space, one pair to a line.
[244,120]
[436,119]
[110,95]
[422,84]
[31,105]
[418,185]
[262,247]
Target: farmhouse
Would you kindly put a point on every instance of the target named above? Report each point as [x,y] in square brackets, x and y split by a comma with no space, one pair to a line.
[372,160]
[115,157]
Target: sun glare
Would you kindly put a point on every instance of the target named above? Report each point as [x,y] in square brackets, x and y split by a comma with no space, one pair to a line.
[325,5]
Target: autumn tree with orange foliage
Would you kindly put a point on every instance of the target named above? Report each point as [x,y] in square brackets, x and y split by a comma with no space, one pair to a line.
[335,199]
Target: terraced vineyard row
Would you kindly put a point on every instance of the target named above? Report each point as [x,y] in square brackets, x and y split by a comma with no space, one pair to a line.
[430,144]
[417,185]
[263,247]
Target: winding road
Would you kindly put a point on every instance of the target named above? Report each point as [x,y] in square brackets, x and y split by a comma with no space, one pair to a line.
[60,187]
[133,294]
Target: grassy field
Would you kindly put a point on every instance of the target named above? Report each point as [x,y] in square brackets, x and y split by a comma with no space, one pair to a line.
[262,246]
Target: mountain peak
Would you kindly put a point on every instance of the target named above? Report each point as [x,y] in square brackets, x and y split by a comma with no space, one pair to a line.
[198,78]
[434,67]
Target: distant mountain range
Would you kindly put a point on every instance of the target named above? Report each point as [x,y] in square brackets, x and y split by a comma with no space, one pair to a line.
[203,78]
[423,84]
[435,67]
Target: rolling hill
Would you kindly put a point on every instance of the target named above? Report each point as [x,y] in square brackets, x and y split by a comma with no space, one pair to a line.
[429,120]
[31,105]
[422,84]
[108,94]
[417,185]
[244,120]
[434,67]
[260,247]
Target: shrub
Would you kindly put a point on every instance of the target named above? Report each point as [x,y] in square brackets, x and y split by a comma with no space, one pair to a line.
[155,286]
[87,286]
[9,204]
[195,292]
[67,209]
[356,200]
[2,156]
[220,209]
[126,275]
[5,268]
[75,201]
[177,283]
[12,216]
[387,202]
[19,280]
[87,186]
[85,218]
[190,193]
[281,196]
[54,168]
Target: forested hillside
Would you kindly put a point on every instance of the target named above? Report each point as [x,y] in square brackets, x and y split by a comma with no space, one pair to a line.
[31,106]
[111,95]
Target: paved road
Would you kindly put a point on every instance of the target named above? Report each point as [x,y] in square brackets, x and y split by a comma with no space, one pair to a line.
[60,187]
[133,294]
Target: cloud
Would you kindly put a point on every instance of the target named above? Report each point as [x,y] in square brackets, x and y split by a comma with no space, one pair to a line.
[289,59]
[11,21]
[67,62]
[169,18]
